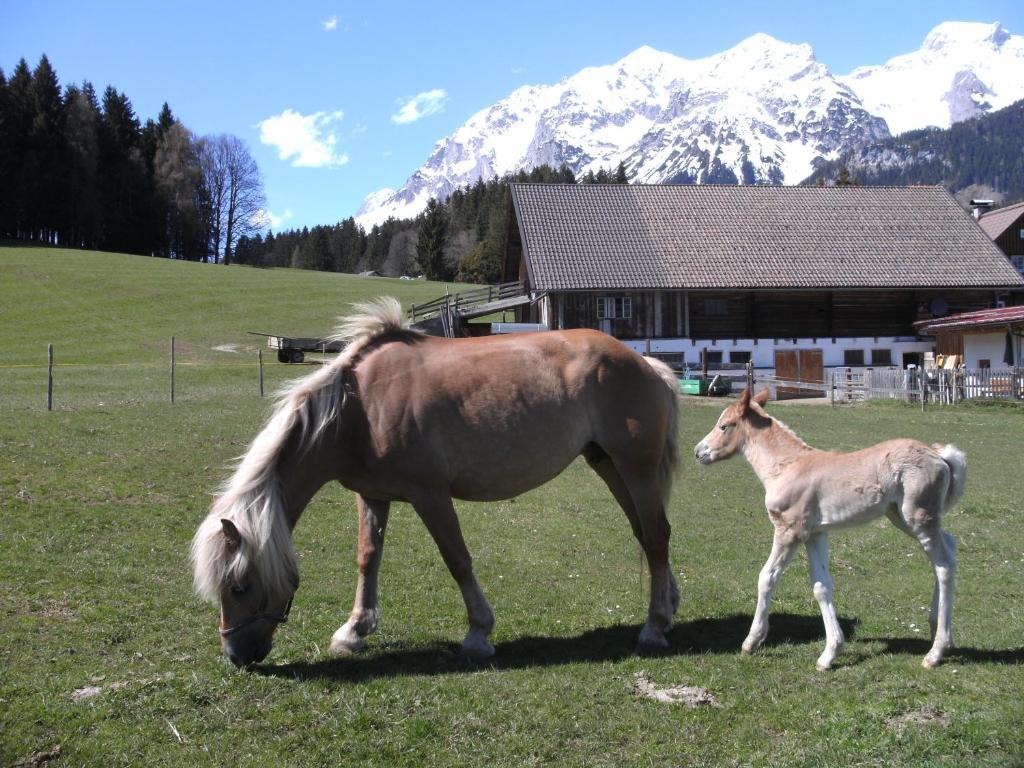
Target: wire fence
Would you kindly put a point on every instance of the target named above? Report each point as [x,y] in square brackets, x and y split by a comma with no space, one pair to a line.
[59,383]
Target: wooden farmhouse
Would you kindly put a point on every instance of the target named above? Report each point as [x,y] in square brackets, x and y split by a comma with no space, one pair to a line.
[1006,228]
[990,338]
[838,275]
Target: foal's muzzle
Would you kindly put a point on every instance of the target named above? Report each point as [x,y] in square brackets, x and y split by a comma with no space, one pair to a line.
[702,453]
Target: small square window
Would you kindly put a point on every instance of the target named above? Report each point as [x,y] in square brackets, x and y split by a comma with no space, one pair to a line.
[853,357]
[713,357]
[739,357]
[881,357]
[612,307]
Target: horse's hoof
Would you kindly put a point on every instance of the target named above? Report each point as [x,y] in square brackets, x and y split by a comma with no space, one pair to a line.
[479,651]
[821,667]
[346,643]
[929,663]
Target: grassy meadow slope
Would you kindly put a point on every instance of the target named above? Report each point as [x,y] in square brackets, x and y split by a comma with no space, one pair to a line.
[111,317]
[107,654]
[105,307]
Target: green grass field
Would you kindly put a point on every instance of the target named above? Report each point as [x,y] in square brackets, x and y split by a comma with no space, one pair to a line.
[100,498]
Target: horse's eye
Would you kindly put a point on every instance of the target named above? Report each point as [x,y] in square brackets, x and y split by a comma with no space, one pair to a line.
[725,427]
[239,589]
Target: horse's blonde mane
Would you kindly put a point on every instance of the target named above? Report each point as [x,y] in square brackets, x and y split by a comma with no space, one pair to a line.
[252,497]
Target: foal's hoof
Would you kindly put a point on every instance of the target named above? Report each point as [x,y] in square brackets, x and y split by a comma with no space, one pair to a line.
[928,662]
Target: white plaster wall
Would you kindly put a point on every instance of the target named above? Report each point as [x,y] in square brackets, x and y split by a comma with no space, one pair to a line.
[984,346]
[763,350]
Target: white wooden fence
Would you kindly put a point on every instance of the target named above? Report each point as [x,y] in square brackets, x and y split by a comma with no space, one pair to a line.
[942,387]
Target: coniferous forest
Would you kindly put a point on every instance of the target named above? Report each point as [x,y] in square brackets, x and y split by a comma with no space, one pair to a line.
[979,157]
[80,169]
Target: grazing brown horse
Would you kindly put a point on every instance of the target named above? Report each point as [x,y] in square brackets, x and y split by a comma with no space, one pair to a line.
[401,416]
[810,493]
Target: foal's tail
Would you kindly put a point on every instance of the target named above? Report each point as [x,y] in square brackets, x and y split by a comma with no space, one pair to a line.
[670,454]
[957,463]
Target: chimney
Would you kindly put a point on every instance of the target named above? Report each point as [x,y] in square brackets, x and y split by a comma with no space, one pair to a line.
[980,207]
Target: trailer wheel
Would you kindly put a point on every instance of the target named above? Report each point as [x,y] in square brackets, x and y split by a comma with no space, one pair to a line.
[297,356]
[282,356]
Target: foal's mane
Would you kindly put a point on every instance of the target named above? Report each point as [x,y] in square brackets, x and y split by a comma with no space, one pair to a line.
[252,498]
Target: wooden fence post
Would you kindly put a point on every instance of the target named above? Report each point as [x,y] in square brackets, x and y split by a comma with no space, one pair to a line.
[921,388]
[49,377]
[172,369]
[260,358]
[750,375]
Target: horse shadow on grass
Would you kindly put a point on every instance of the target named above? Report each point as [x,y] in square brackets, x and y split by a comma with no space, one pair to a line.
[914,646]
[719,635]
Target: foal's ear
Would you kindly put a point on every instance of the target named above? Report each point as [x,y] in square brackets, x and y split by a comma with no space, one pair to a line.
[744,401]
[761,398]
[234,538]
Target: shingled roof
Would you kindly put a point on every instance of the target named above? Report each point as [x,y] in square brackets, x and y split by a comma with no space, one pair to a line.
[617,236]
[998,221]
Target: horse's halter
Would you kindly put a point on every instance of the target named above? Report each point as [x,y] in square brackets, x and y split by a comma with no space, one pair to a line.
[277,618]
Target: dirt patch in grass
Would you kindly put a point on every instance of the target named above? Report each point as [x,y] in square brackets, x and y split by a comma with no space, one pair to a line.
[926,715]
[89,691]
[39,758]
[692,696]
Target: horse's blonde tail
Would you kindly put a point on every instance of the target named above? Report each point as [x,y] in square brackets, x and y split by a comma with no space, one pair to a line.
[670,454]
[957,463]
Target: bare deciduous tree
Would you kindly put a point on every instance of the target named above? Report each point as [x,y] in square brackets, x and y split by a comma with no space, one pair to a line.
[234,189]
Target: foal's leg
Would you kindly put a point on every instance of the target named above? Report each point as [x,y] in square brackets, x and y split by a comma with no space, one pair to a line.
[783,548]
[438,513]
[373,520]
[605,468]
[941,549]
[821,584]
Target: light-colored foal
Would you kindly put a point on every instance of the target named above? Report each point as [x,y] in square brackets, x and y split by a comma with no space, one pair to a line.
[809,493]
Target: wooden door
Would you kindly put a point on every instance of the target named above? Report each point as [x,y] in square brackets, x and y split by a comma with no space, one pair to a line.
[796,365]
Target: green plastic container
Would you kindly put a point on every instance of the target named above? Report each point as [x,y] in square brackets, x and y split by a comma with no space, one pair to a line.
[701,386]
[694,386]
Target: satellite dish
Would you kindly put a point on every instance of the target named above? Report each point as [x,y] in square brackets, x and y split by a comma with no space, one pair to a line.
[939,307]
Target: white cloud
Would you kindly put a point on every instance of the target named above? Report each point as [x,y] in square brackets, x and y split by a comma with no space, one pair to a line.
[419,106]
[270,220]
[309,141]
[330,24]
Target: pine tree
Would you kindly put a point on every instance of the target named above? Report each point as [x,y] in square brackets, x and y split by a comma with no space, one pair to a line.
[430,242]
[81,135]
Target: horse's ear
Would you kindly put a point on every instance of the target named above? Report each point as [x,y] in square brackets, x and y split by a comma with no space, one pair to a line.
[744,401]
[234,538]
[761,398]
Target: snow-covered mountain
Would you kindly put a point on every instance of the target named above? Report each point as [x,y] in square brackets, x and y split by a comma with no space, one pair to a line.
[962,70]
[762,111]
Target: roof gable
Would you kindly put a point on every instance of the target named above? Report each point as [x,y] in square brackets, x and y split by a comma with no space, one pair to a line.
[996,222]
[609,236]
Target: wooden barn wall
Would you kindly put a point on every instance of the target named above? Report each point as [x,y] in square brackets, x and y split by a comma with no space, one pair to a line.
[765,314]
[873,313]
[789,315]
[1010,242]
[720,315]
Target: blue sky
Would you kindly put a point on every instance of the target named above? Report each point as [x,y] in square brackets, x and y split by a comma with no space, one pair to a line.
[339,99]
